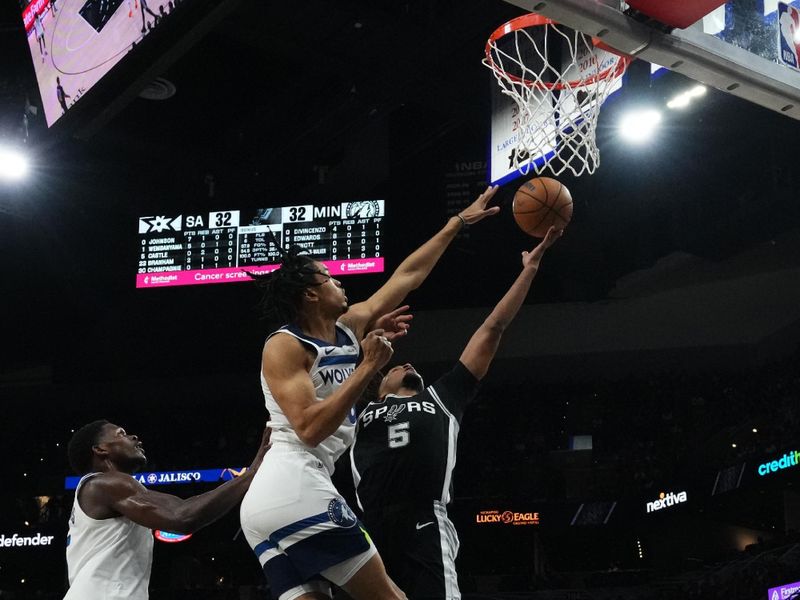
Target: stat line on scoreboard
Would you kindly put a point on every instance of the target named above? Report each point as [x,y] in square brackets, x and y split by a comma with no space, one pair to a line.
[337,268]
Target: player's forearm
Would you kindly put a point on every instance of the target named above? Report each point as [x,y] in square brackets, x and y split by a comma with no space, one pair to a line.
[202,510]
[509,305]
[483,344]
[322,419]
[418,265]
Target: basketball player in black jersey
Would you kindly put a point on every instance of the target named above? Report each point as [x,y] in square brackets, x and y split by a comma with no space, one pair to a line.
[405,451]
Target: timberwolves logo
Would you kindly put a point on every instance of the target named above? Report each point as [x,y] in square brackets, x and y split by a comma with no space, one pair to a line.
[394,412]
[340,513]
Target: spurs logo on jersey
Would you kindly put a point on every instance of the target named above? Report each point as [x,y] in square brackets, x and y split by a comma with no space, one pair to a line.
[390,413]
[394,412]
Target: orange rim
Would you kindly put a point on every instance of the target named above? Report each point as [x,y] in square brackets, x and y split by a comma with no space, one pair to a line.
[534,20]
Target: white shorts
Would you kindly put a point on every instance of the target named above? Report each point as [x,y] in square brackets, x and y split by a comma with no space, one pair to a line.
[302,531]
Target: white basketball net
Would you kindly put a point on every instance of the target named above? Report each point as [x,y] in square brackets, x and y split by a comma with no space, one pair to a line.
[558,103]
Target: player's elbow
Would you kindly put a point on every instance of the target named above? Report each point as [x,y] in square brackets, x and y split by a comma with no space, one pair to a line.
[494,327]
[311,436]
[184,523]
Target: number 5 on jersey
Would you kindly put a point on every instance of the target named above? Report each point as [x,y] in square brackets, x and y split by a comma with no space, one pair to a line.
[399,435]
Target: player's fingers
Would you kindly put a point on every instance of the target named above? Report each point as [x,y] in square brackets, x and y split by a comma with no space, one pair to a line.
[484,197]
[398,310]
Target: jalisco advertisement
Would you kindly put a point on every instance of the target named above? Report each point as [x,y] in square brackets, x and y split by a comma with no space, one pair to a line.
[175,477]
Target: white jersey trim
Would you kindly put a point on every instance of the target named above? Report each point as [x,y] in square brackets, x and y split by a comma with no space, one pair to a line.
[452,436]
[449,544]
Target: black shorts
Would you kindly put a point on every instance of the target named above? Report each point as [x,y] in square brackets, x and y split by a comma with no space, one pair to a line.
[418,545]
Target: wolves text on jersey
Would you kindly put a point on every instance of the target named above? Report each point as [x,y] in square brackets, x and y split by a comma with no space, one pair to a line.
[389,414]
[337,375]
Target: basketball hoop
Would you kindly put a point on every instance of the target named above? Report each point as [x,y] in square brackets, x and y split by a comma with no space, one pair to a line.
[558,79]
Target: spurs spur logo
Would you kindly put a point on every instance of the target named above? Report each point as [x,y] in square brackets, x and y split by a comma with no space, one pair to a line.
[394,412]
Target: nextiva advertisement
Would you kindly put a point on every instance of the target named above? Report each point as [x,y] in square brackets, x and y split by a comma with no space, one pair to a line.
[667,500]
[787,461]
[175,477]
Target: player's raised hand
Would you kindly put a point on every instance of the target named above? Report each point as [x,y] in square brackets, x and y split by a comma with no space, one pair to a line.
[477,210]
[533,258]
[262,449]
[395,324]
[377,349]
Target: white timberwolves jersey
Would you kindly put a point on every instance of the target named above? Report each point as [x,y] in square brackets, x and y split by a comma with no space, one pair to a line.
[107,559]
[333,364]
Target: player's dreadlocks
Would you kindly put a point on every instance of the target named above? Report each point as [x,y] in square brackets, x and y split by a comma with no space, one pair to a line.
[283,288]
[79,449]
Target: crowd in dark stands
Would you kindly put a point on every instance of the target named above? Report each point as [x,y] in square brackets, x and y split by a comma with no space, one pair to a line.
[516,442]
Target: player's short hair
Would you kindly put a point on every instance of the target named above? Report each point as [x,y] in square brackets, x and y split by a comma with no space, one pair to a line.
[79,449]
[283,288]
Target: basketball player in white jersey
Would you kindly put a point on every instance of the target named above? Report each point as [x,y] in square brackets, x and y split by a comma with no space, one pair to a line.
[301,529]
[405,452]
[110,545]
[39,28]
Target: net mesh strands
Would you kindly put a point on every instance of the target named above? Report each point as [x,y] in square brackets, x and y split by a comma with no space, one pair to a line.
[558,79]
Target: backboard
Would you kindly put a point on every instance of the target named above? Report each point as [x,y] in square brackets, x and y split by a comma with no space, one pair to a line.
[747,48]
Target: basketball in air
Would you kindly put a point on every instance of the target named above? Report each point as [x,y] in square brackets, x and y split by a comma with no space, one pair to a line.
[541,203]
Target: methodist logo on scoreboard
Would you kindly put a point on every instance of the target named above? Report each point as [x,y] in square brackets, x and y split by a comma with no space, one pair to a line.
[507,517]
[787,461]
[666,500]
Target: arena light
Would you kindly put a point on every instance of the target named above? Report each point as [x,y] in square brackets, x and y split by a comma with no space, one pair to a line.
[681,101]
[684,99]
[13,164]
[639,126]
[698,91]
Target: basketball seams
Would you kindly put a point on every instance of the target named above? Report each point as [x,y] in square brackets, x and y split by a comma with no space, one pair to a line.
[547,206]
[564,204]
[552,212]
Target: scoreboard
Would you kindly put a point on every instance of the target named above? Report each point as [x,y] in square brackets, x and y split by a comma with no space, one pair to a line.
[219,246]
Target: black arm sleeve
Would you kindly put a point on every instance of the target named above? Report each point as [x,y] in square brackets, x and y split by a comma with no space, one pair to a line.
[456,389]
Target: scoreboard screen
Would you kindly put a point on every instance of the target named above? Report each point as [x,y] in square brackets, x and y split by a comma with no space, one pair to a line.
[219,246]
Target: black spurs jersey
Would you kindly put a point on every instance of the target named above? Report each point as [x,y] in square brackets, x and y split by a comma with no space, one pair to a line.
[405,447]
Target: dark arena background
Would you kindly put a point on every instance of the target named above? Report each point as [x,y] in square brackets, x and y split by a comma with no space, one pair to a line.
[638,435]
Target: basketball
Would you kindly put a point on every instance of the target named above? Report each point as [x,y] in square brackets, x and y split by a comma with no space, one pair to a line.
[541,203]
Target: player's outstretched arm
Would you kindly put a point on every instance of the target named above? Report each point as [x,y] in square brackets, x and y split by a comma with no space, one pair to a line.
[414,269]
[284,367]
[114,494]
[482,347]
